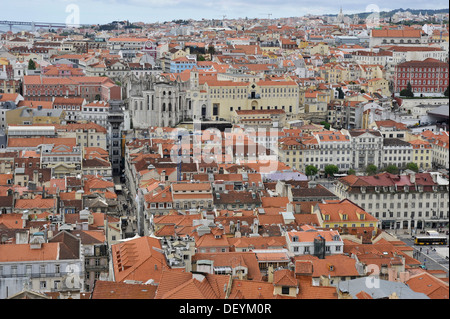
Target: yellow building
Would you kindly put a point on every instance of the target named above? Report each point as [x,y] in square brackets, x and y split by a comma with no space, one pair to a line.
[344,213]
[371,71]
[422,154]
[225,97]
[28,116]
[320,48]
[377,85]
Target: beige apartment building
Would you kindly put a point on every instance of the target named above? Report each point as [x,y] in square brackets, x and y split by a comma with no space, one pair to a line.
[225,97]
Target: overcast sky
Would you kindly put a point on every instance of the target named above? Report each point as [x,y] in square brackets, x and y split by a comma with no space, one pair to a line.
[103,11]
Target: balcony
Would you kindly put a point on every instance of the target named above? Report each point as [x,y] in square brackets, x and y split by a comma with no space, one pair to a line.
[36,275]
[96,267]
[254,96]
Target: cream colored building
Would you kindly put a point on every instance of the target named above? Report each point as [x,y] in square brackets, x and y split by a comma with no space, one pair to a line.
[422,154]
[87,135]
[225,97]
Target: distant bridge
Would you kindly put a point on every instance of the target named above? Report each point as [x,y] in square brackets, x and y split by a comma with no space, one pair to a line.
[35,25]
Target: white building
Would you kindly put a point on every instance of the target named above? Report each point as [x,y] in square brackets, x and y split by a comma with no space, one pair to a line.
[97,112]
[306,241]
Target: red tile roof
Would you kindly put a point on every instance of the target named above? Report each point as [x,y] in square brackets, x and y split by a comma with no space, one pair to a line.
[432,286]
[120,290]
[137,259]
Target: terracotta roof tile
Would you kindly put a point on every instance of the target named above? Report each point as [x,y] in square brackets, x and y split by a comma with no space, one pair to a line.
[120,290]
[432,286]
[23,252]
[137,259]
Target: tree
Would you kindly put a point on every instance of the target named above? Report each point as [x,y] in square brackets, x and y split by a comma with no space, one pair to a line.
[331,169]
[392,169]
[351,172]
[408,91]
[325,124]
[409,87]
[412,166]
[371,169]
[211,50]
[446,91]
[341,94]
[31,65]
[311,170]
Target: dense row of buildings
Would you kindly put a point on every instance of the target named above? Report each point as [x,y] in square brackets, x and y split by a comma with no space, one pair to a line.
[176,161]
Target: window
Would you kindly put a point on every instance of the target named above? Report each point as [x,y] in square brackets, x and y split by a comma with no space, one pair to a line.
[28,269]
[285,290]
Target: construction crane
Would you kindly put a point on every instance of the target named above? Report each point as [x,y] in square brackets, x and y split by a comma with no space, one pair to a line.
[223,18]
[268,15]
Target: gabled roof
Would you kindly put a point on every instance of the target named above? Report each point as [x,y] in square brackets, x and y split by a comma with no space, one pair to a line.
[336,211]
[138,259]
[121,290]
[23,252]
[251,289]
[36,203]
[175,284]
[430,285]
[332,265]
[284,277]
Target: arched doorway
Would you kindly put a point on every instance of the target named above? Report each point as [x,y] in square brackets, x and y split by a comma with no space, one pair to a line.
[254,105]
[405,224]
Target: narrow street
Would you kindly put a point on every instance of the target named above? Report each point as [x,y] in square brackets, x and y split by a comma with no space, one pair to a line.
[126,210]
[433,257]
